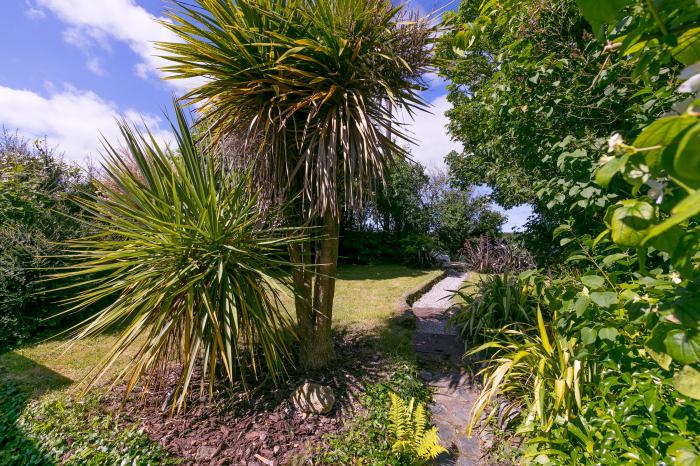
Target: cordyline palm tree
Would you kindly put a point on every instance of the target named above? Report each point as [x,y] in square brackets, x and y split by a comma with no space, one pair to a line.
[185,260]
[310,85]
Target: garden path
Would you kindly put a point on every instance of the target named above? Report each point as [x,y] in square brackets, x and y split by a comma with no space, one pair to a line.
[441,350]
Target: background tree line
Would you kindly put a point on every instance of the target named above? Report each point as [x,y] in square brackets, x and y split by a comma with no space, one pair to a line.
[416,215]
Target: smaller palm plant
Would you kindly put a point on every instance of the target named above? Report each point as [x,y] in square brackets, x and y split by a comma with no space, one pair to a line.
[184,262]
[494,302]
[540,377]
[413,439]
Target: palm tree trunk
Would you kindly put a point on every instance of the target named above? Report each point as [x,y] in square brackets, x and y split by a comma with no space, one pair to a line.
[314,300]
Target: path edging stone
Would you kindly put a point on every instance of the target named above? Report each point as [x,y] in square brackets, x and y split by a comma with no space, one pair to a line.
[404,305]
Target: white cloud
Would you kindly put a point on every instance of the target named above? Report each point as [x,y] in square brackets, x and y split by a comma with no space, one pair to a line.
[93,21]
[71,120]
[33,12]
[429,132]
[94,64]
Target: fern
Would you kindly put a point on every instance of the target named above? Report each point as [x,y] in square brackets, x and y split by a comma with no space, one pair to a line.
[408,424]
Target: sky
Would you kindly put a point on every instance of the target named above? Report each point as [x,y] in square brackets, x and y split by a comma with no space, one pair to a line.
[71,68]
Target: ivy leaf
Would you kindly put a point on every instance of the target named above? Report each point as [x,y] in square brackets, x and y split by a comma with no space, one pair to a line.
[612,258]
[687,382]
[683,346]
[594,282]
[605,173]
[608,333]
[684,453]
[661,133]
[581,305]
[630,221]
[588,335]
[661,358]
[688,49]
[687,208]
[655,345]
[597,12]
[604,299]
[687,158]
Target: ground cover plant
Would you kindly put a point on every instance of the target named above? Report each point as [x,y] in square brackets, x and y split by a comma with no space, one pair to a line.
[61,431]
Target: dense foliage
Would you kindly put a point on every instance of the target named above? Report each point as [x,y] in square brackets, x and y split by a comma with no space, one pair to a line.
[69,432]
[609,369]
[35,214]
[535,96]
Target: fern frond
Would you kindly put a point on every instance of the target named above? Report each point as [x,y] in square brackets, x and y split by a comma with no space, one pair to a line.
[399,418]
[429,447]
[419,422]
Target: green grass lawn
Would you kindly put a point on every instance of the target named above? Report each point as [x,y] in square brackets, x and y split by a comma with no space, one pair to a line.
[365,301]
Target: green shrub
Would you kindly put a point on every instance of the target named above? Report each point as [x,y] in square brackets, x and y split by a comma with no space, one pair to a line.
[35,214]
[191,264]
[64,431]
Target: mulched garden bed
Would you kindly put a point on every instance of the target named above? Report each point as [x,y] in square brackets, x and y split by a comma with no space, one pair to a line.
[263,429]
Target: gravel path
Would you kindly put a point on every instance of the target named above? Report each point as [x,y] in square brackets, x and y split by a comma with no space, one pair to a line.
[441,349]
[439,295]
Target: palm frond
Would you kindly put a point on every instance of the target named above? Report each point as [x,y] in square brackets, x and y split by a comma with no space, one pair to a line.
[313,84]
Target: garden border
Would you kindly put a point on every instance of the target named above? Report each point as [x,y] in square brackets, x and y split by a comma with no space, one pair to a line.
[405,302]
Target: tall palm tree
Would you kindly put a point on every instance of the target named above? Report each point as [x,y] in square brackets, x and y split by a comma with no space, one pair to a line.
[310,85]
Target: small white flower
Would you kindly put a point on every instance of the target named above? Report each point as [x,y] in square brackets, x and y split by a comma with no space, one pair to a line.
[585,291]
[675,278]
[615,142]
[657,190]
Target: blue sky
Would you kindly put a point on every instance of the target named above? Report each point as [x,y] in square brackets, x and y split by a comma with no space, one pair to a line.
[71,67]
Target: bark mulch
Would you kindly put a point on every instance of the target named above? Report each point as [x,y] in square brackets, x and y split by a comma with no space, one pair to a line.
[261,429]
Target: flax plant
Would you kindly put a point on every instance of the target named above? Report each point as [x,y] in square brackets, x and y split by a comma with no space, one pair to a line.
[538,377]
[313,87]
[184,263]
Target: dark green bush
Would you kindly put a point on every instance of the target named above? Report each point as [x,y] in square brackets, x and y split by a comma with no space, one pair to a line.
[35,214]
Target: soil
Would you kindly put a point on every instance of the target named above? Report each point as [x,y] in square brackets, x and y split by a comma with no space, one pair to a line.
[262,429]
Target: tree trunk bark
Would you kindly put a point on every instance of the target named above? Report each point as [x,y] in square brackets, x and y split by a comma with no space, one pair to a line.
[315,292]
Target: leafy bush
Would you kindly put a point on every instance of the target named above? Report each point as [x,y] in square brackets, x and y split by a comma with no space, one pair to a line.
[191,261]
[35,214]
[64,431]
[538,372]
[409,426]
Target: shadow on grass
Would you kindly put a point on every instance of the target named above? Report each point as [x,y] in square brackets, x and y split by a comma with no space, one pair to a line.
[391,338]
[15,447]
